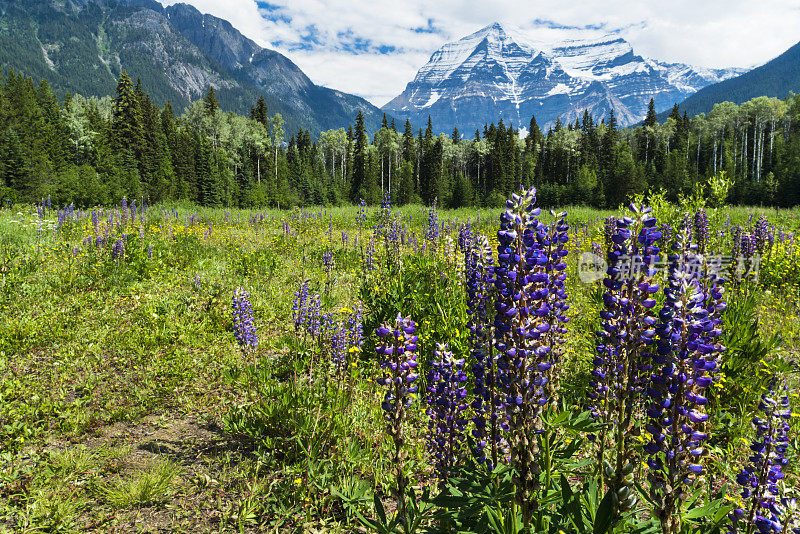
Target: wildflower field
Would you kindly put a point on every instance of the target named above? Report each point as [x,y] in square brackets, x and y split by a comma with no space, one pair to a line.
[176,369]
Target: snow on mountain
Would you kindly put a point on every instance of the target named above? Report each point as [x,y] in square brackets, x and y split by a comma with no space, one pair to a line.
[498,72]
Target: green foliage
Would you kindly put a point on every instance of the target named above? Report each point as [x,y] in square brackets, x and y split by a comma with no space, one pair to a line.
[426,287]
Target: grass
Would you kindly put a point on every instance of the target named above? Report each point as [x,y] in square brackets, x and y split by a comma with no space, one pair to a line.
[124,398]
[145,486]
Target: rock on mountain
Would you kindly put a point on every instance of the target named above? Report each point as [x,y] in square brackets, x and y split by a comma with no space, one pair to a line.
[82,46]
[495,73]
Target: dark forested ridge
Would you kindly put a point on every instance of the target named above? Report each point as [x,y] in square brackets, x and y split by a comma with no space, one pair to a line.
[82,46]
[96,151]
[778,78]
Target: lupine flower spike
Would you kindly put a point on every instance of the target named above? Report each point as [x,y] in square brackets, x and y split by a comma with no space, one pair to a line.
[523,356]
[622,363]
[487,404]
[446,410]
[683,367]
[243,327]
[764,509]
[397,354]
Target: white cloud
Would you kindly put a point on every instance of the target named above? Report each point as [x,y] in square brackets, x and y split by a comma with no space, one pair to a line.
[370,48]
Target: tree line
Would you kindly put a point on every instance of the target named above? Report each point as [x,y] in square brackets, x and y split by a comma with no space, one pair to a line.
[91,151]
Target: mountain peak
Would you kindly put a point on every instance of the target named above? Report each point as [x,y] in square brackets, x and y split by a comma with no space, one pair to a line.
[494,28]
[497,33]
[500,72]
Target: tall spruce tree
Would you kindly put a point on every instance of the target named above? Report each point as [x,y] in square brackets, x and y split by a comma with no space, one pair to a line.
[210,102]
[259,112]
[358,185]
[126,123]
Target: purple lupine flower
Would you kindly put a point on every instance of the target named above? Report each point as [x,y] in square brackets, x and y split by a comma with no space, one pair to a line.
[150,251]
[369,257]
[522,355]
[355,329]
[759,479]
[124,211]
[397,354]
[684,364]
[761,234]
[446,410]
[338,345]
[736,241]
[465,237]
[432,227]
[701,230]
[552,240]
[315,320]
[243,327]
[487,404]
[386,215]
[748,245]
[361,215]
[622,362]
[328,264]
[393,241]
[118,249]
[609,229]
[299,306]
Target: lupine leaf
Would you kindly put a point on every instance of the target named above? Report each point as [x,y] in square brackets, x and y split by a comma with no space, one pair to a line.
[605,515]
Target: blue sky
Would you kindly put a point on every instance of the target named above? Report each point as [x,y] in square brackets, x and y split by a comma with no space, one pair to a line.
[373,48]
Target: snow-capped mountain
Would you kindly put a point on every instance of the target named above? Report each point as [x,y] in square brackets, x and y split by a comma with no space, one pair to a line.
[498,73]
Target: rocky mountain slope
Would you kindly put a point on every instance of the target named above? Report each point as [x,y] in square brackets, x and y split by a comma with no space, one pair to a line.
[81,46]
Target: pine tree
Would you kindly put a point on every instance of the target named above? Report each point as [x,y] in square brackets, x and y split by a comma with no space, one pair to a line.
[358,186]
[127,118]
[608,151]
[12,165]
[429,131]
[259,112]
[409,152]
[534,135]
[652,117]
[210,101]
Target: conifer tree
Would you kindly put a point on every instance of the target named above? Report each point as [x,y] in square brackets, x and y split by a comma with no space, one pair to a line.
[259,112]
[652,118]
[409,152]
[210,101]
[127,116]
[358,185]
